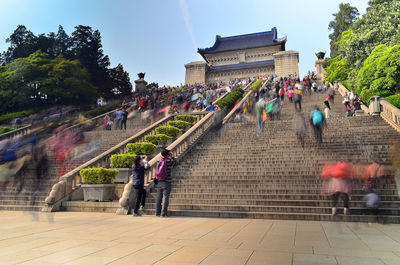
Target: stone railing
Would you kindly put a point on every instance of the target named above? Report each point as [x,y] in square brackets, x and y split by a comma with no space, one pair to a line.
[24,130]
[237,107]
[178,148]
[390,114]
[72,179]
[343,91]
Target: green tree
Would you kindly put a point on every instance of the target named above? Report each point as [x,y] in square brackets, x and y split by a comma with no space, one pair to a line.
[87,48]
[380,25]
[380,74]
[342,21]
[122,86]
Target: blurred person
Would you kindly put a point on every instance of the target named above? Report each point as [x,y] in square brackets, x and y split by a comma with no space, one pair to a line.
[118,118]
[317,122]
[336,183]
[300,127]
[327,109]
[260,105]
[297,97]
[124,118]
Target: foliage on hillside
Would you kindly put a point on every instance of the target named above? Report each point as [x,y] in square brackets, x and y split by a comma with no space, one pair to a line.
[367,52]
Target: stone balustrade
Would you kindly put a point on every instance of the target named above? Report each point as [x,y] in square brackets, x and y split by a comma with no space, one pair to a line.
[237,107]
[178,148]
[72,179]
[390,114]
[24,130]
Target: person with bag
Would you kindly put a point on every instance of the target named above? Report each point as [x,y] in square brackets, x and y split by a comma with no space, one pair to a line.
[163,180]
[138,169]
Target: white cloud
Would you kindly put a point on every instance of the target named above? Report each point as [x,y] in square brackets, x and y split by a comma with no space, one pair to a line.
[188,22]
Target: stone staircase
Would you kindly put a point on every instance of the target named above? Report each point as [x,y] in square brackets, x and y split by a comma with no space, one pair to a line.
[235,173]
[31,199]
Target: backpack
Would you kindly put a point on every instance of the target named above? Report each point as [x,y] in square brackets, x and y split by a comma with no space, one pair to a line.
[270,108]
[161,170]
[281,92]
[317,117]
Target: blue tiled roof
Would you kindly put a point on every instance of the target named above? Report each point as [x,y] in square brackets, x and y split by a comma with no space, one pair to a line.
[254,40]
[240,66]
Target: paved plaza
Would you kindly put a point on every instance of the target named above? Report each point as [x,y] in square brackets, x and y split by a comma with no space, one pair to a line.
[98,238]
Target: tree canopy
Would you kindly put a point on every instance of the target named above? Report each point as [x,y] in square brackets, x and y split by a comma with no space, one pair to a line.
[362,60]
[342,21]
[61,68]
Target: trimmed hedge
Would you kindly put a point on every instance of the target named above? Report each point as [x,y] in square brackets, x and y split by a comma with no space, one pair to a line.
[141,148]
[14,115]
[179,124]
[168,130]
[394,100]
[229,100]
[98,175]
[188,118]
[122,161]
[100,110]
[151,139]
[162,139]
[256,84]
[158,139]
[6,129]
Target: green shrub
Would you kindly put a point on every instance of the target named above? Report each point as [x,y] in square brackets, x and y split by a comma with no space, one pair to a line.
[6,129]
[98,175]
[229,100]
[168,130]
[100,110]
[141,148]
[394,100]
[14,115]
[179,124]
[151,139]
[188,118]
[122,161]
[162,139]
[256,84]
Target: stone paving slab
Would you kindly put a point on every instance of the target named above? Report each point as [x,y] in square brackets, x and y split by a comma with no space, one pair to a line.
[105,238]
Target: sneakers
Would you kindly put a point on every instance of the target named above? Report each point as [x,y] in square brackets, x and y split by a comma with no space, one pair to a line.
[141,208]
[136,214]
[346,211]
[164,215]
[334,211]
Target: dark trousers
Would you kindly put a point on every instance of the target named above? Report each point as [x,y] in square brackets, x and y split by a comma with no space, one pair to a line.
[123,123]
[140,197]
[345,197]
[297,102]
[163,192]
[318,133]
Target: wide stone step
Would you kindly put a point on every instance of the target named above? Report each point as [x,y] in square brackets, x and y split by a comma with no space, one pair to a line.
[281,216]
[273,202]
[277,196]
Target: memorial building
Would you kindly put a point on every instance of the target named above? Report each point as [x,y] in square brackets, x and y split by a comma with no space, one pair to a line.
[243,56]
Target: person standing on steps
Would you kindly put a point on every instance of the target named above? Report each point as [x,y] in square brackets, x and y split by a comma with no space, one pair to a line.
[297,97]
[317,122]
[164,180]
[124,118]
[260,105]
[118,118]
[138,169]
[300,127]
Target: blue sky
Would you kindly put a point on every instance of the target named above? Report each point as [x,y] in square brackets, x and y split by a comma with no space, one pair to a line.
[160,36]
